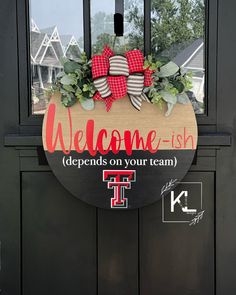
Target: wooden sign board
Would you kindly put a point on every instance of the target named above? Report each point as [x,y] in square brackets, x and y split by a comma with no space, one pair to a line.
[121,159]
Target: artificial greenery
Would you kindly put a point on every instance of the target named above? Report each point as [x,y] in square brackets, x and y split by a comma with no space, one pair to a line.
[170,84]
[75,83]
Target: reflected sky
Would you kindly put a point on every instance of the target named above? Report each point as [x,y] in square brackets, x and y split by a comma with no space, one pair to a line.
[67,15]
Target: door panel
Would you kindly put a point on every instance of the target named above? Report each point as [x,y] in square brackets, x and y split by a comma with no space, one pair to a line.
[118,252]
[58,239]
[66,244]
[177,258]
[51,243]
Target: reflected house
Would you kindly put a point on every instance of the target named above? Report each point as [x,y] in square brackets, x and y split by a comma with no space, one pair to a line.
[34,27]
[54,39]
[191,58]
[47,50]
[45,59]
[71,47]
[48,47]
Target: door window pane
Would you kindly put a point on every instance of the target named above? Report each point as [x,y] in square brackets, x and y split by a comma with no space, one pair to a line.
[102,26]
[56,32]
[177,34]
[134,24]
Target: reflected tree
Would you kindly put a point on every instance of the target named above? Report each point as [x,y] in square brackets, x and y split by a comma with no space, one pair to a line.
[177,22]
[102,31]
[174,25]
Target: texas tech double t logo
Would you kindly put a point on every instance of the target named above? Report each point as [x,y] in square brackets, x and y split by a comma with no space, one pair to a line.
[119,181]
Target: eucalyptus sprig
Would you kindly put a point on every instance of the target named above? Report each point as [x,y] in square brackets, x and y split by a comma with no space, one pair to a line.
[152,64]
[75,82]
[170,84]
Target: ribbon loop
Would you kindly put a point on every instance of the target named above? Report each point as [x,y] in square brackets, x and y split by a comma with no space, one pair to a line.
[102,86]
[135,84]
[126,76]
[119,66]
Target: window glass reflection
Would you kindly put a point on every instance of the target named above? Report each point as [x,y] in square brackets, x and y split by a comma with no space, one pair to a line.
[134,24]
[177,33]
[56,32]
[102,24]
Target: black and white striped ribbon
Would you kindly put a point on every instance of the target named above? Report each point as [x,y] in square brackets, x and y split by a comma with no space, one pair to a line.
[144,97]
[119,66]
[135,85]
[137,101]
[102,86]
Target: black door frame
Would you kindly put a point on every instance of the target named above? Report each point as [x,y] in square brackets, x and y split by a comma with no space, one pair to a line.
[31,122]
[12,121]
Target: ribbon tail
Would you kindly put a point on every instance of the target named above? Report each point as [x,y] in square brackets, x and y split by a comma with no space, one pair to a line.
[136,101]
[144,97]
[108,102]
[97,96]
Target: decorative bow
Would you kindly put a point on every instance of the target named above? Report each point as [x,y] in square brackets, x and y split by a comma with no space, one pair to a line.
[115,76]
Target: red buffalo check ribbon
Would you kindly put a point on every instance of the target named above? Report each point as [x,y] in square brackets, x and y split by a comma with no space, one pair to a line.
[108,101]
[115,76]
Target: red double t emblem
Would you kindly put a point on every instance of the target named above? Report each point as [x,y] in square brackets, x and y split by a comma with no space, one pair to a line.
[119,181]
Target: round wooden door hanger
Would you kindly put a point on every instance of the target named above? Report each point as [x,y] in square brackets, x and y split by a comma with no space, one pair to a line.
[121,159]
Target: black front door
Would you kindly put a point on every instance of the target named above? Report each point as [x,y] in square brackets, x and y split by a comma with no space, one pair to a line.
[52,243]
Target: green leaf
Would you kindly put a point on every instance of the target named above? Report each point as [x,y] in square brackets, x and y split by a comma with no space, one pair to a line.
[152,91]
[79,60]
[168,70]
[168,97]
[78,91]
[88,104]
[85,87]
[183,98]
[92,92]
[158,64]
[150,58]
[71,67]
[78,71]
[165,82]
[153,67]
[68,100]
[157,98]
[68,80]
[146,89]
[68,88]
[178,85]
[63,60]
[86,94]
[170,107]
[183,71]
[146,64]
[60,74]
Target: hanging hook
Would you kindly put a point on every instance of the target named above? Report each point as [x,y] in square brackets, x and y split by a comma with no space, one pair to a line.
[118,24]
